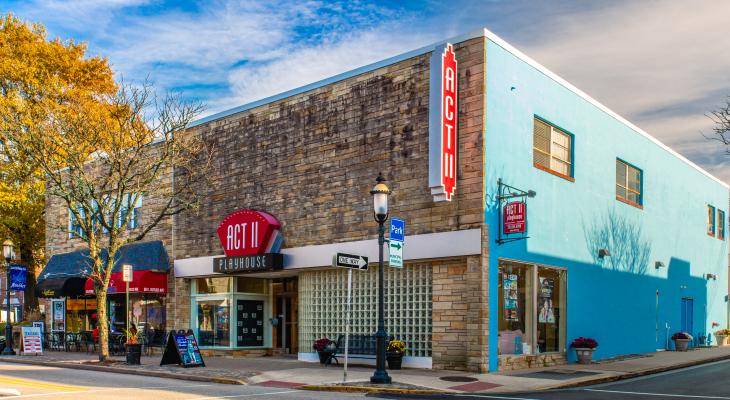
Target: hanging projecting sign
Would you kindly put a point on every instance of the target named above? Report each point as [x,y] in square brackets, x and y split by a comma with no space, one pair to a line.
[442,125]
[18,277]
[251,240]
[514,217]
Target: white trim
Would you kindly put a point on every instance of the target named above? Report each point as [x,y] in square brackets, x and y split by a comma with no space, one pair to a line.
[427,49]
[409,362]
[417,247]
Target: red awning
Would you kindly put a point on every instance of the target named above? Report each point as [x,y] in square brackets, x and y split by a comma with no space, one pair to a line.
[142,282]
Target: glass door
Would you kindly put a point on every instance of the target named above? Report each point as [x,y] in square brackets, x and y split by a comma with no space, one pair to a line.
[214,322]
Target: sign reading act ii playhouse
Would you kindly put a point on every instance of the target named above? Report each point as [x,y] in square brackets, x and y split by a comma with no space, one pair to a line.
[514,217]
[251,240]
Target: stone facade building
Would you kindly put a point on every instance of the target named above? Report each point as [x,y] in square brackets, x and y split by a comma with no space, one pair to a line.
[468,296]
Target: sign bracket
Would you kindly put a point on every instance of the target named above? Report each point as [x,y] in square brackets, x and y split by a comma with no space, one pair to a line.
[504,193]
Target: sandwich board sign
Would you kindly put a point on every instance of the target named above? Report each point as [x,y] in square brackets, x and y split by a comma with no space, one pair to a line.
[182,349]
[396,242]
[32,341]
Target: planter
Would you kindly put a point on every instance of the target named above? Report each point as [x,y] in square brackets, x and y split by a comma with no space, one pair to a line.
[585,355]
[721,340]
[324,356]
[394,360]
[681,344]
[134,353]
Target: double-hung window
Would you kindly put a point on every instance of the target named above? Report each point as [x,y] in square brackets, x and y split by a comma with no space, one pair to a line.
[628,183]
[720,224]
[74,225]
[552,149]
[710,220]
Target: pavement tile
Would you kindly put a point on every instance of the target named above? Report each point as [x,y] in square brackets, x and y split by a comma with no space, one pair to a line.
[281,384]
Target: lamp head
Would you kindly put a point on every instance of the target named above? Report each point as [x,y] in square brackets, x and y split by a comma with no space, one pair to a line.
[380,194]
[8,250]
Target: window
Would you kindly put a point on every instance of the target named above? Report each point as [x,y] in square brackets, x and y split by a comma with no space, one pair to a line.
[532,303]
[628,183]
[126,206]
[710,220]
[74,225]
[552,149]
[721,224]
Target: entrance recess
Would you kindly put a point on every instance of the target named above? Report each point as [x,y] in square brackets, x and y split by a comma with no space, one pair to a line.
[286,314]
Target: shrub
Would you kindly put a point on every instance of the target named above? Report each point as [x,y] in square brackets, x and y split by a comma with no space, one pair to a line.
[584,343]
[396,346]
[682,335]
[322,344]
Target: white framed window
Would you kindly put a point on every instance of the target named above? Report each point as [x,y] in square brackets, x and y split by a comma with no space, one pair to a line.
[628,183]
[552,149]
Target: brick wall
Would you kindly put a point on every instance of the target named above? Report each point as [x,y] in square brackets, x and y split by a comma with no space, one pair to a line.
[311,159]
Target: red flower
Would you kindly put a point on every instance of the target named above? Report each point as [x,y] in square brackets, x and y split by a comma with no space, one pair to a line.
[584,343]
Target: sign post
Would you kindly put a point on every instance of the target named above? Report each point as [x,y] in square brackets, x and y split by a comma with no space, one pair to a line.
[349,261]
[127,277]
[396,242]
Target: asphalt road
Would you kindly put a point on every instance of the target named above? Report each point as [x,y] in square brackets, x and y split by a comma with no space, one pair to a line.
[704,382]
[66,384]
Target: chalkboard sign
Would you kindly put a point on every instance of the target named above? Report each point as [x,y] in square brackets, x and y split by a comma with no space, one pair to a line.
[182,350]
[250,328]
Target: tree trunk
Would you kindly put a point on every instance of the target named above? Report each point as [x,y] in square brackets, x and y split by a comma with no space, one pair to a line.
[102,324]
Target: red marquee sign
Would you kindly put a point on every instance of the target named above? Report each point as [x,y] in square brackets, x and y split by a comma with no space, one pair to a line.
[514,217]
[249,232]
[443,139]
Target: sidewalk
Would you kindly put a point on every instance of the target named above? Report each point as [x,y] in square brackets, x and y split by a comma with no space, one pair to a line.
[287,372]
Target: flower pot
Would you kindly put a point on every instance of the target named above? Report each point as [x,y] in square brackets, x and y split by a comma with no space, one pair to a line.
[324,356]
[721,340]
[134,353]
[394,360]
[681,344]
[585,355]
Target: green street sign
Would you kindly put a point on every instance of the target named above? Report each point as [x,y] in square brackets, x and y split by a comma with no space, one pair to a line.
[396,254]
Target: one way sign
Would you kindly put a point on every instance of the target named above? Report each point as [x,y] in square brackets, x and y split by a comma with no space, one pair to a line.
[343,260]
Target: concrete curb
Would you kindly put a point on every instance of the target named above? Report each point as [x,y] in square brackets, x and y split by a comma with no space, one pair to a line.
[369,389]
[635,374]
[128,371]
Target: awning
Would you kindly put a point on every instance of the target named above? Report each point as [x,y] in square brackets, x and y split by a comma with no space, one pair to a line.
[66,274]
[142,282]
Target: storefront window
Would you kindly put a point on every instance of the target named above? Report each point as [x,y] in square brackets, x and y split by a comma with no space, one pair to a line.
[251,285]
[80,314]
[551,310]
[148,313]
[214,322]
[532,305]
[213,285]
[516,314]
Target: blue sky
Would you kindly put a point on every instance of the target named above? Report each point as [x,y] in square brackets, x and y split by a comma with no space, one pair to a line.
[661,64]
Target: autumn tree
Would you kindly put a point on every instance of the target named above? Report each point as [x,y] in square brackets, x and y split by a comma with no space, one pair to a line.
[101,148]
[35,72]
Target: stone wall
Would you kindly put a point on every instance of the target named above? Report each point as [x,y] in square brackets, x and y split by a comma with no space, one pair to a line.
[311,159]
[515,362]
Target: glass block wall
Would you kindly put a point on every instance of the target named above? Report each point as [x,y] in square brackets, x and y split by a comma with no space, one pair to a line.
[322,296]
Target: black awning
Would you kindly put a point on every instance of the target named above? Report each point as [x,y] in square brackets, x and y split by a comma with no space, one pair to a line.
[65,274]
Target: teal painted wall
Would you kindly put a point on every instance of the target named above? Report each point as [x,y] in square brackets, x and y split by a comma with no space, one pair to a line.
[615,304]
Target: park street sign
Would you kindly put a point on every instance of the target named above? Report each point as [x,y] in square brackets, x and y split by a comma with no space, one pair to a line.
[351,261]
[396,242]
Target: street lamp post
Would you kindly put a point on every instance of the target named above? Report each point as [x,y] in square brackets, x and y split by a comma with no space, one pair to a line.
[380,207]
[9,254]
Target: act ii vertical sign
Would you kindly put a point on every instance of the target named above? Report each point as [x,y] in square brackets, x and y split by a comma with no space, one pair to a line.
[514,217]
[442,134]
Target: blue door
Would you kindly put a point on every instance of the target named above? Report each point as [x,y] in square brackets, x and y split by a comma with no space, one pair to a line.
[687,315]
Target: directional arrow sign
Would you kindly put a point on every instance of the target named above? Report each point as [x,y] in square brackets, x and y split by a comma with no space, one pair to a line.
[352,261]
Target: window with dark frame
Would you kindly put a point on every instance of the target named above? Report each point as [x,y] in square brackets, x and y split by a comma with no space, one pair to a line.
[710,220]
[628,183]
[552,149]
[721,224]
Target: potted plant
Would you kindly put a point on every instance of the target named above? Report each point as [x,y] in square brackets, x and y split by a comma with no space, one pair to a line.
[132,345]
[324,348]
[584,348]
[681,341]
[722,336]
[394,353]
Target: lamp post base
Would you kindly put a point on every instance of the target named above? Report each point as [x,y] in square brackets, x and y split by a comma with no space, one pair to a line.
[381,377]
